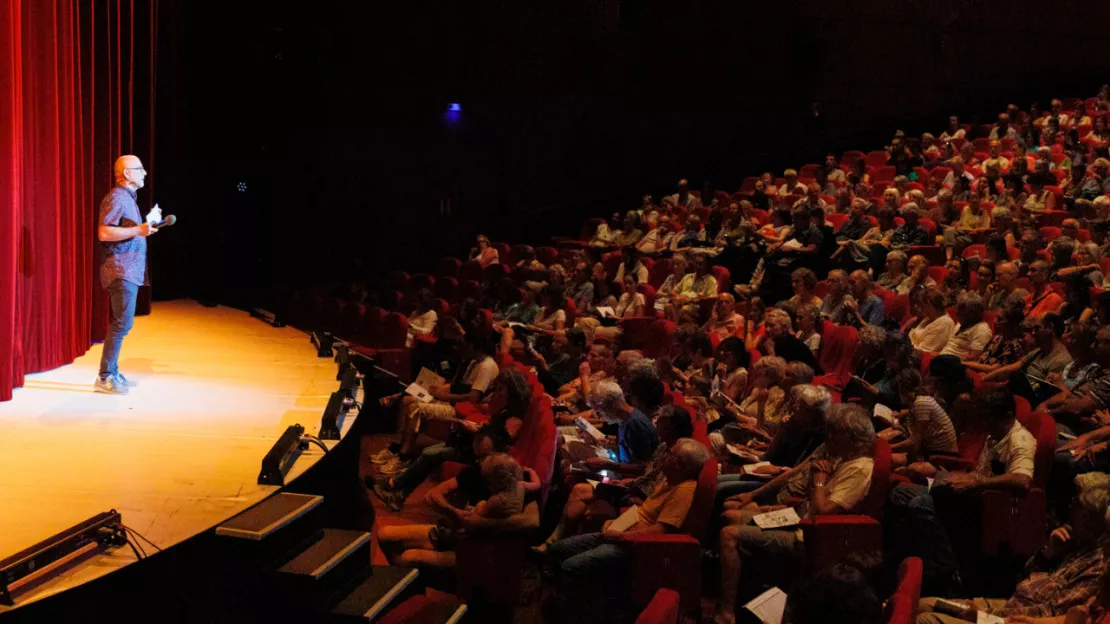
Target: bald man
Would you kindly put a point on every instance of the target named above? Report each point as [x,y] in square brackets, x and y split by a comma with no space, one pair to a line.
[122,235]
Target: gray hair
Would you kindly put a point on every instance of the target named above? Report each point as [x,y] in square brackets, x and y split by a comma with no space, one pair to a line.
[776,314]
[502,472]
[801,372]
[772,366]
[898,255]
[972,305]
[1093,494]
[605,394]
[1001,212]
[872,336]
[910,208]
[815,398]
[691,456]
[854,422]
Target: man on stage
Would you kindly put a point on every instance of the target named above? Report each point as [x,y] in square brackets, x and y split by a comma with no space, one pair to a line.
[122,235]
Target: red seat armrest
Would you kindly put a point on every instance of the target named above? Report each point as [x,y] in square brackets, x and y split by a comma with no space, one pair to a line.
[952,464]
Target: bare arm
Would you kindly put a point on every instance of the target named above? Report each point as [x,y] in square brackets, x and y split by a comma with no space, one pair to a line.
[114,234]
[527,520]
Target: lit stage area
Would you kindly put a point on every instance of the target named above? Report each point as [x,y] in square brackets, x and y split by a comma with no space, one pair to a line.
[214,389]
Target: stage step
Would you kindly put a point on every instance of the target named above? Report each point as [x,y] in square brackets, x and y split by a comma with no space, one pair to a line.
[269,516]
[332,549]
[440,609]
[375,595]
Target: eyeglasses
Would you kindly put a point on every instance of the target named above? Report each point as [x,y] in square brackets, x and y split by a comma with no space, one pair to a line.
[134,169]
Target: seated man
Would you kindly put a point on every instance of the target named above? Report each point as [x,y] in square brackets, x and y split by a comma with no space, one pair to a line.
[834,481]
[1006,463]
[784,343]
[798,437]
[1065,573]
[723,321]
[433,545]
[590,567]
[471,387]
[510,394]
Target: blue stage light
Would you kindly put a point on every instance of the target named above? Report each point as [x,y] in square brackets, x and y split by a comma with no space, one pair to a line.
[454,107]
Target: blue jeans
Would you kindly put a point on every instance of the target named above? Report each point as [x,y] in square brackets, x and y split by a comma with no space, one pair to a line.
[431,457]
[589,570]
[121,316]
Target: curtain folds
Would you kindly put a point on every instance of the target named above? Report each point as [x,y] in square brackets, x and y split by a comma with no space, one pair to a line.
[76,91]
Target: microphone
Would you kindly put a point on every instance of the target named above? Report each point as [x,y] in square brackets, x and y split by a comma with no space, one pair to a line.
[168,221]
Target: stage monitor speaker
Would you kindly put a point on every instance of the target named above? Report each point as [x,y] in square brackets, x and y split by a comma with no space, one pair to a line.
[333,413]
[281,456]
[34,565]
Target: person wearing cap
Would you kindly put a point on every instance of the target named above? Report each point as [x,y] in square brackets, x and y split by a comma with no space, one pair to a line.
[792,186]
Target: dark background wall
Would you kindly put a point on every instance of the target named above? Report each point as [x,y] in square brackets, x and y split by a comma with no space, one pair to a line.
[333,113]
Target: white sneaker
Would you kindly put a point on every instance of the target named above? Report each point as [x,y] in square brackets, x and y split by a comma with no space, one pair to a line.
[109,385]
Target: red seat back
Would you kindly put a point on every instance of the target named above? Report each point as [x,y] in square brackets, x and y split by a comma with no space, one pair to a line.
[838,347]
[637,332]
[448,267]
[872,504]
[663,608]
[902,606]
[697,519]
[660,338]
[722,275]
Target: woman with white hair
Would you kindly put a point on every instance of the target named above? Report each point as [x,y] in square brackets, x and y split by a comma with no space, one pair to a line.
[833,481]
[1088,262]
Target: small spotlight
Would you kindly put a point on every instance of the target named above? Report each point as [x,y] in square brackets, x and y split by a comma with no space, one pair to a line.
[242,187]
[454,107]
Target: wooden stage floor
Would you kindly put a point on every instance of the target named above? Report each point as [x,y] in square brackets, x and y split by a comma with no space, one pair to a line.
[178,455]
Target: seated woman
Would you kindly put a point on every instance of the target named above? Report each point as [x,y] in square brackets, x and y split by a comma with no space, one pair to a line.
[1006,345]
[631,265]
[552,318]
[804,282]
[585,563]
[733,362]
[972,334]
[433,545]
[924,425]
[484,254]
[833,481]
[524,311]
[511,394]
[873,378]
[934,327]
[422,322]
[583,509]
[809,327]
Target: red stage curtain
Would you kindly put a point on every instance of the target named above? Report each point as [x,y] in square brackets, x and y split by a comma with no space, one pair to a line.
[76,90]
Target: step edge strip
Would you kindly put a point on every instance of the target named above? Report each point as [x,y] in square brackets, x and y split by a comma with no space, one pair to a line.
[342,554]
[391,595]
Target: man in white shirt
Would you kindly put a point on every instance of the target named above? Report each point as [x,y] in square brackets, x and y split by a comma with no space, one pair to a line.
[684,198]
[958,171]
[1006,463]
[953,131]
[792,185]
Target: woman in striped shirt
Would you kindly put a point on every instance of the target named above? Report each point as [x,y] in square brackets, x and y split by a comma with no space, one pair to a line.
[925,424]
